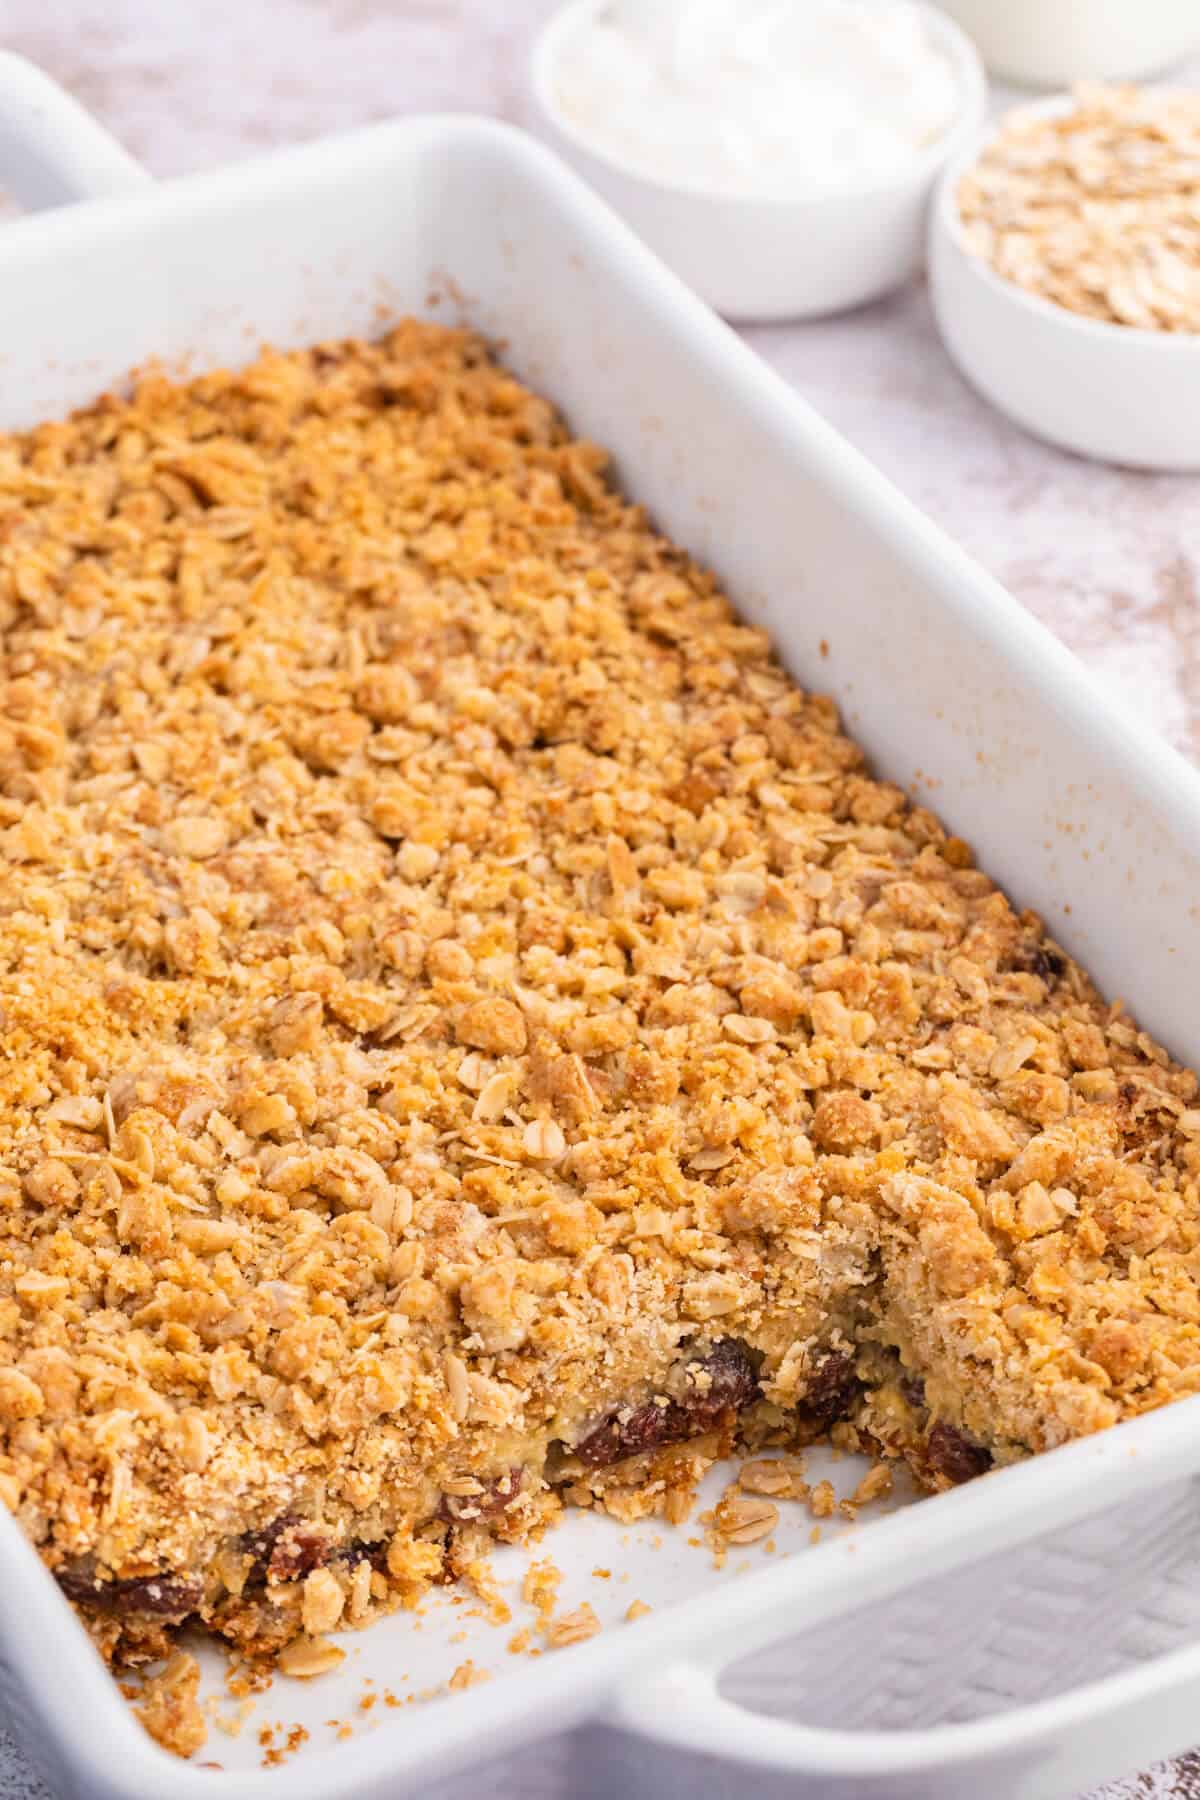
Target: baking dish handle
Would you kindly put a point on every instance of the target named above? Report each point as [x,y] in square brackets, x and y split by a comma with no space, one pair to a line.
[1126,1721]
[52,152]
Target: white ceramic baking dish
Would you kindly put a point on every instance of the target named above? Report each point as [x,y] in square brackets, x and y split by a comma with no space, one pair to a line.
[1004,1639]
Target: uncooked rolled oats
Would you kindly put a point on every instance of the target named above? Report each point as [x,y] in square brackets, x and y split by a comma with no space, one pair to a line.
[1096,209]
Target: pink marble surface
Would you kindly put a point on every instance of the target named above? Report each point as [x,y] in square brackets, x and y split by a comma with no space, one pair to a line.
[1110,560]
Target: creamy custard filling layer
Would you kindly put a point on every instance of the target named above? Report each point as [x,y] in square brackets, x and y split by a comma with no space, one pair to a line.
[475,1035]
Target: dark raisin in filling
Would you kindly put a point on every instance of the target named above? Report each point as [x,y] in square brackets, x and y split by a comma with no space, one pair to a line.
[832,1391]
[172,1597]
[732,1383]
[283,1551]
[953,1455]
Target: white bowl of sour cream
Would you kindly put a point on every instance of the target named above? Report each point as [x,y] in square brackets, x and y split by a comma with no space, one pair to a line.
[779,157]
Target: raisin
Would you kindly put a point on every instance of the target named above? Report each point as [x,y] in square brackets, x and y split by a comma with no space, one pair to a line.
[283,1551]
[297,1553]
[495,1499]
[732,1379]
[360,1552]
[258,1545]
[832,1391]
[1039,959]
[732,1383]
[953,1455]
[156,1596]
[631,1433]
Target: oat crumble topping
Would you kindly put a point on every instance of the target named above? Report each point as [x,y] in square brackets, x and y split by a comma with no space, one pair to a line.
[476,1034]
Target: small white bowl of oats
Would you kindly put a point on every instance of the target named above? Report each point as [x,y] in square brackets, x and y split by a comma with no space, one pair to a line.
[1065,272]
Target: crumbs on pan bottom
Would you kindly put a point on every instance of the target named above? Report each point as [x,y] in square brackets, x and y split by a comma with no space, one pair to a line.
[171,1705]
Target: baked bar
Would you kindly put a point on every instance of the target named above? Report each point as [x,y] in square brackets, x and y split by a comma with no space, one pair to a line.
[476,1034]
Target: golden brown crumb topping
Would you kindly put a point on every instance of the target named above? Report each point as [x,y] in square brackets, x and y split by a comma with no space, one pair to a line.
[447,965]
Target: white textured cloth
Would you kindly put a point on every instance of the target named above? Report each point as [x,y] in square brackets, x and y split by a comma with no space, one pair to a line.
[1108,559]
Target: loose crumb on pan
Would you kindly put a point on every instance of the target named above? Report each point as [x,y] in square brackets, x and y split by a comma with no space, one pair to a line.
[876,1484]
[232,1724]
[169,1706]
[572,1628]
[822,1500]
[480,1578]
[467,1675]
[276,1755]
[540,1586]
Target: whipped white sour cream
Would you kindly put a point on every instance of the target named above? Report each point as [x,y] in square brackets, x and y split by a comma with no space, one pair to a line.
[766,98]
